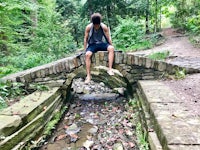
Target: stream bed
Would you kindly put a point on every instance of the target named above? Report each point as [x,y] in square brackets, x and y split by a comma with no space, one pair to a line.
[97,119]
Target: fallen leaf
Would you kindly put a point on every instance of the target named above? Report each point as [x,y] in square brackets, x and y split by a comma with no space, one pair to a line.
[129,124]
[74,136]
[121,131]
[60,137]
[131,144]
[65,127]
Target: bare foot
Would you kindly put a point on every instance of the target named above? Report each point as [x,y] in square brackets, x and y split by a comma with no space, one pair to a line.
[87,80]
[110,72]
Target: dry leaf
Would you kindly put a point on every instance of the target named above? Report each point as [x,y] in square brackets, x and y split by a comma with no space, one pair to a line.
[60,137]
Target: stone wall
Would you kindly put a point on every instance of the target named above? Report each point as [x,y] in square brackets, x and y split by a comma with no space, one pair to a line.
[126,63]
[166,121]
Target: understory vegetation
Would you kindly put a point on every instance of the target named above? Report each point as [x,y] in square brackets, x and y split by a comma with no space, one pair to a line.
[130,35]
[159,55]
[34,32]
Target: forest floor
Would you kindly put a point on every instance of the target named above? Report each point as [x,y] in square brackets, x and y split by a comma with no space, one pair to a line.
[179,46]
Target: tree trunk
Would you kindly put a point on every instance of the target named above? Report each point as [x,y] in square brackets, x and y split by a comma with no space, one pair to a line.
[89,2]
[147,17]
[34,17]
[109,15]
[156,16]
[3,46]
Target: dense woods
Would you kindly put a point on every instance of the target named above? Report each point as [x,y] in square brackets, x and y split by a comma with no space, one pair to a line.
[34,32]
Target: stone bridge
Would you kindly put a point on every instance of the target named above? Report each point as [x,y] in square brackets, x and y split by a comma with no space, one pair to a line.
[30,117]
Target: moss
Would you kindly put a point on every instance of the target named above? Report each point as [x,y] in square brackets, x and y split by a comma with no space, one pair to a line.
[56,118]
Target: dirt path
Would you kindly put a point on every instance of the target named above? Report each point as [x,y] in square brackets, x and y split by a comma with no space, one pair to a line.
[178,45]
[180,48]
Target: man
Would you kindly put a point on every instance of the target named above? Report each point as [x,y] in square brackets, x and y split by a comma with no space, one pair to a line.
[97,38]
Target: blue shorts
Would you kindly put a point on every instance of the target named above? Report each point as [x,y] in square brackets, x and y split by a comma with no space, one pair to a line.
[97,47]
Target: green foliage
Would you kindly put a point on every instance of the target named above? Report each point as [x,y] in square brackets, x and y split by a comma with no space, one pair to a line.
[70,11]
[9,90]
[15,24]
[34,32]
[31,34]
[187,15]
[39,87]
[180,73]
[2,103]
[193,24]
[142,137]
[129,35]
[132,103]
[14,90]
[7,70]
[51,124]
[159,55]
[28,60]
[51,36]
[111,9]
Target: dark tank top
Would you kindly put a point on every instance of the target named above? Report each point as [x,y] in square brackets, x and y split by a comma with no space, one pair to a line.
[97,36]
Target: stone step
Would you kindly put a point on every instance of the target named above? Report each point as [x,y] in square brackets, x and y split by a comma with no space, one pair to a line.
[99,97]
[174,126]
[25,119]
[30,106]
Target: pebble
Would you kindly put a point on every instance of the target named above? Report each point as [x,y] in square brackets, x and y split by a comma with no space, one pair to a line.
[72,129]
[93,130]
[87,144]
[118,146]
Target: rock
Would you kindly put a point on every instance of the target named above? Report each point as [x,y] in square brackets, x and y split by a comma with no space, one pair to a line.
[93,130]
[87,144]
[120,90]
[99,97]
[73,129]
[129,133]
[73,106]
[102,84]
[79,90]
[118,146]
[86,90]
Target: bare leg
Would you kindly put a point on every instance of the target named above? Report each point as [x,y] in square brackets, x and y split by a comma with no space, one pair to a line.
[88,64]
[110,59]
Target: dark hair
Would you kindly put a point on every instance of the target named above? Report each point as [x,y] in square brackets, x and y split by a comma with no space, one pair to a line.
[96,18]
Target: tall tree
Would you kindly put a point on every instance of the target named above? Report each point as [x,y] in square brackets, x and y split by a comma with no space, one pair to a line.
[147,17]
[14,20]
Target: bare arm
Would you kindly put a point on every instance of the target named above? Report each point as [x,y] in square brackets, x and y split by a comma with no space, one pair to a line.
[87,30]
[107,33]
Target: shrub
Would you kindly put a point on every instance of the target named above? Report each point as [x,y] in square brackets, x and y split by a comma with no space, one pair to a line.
[7,70]
[180,73]
[193,24]
[130,34]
